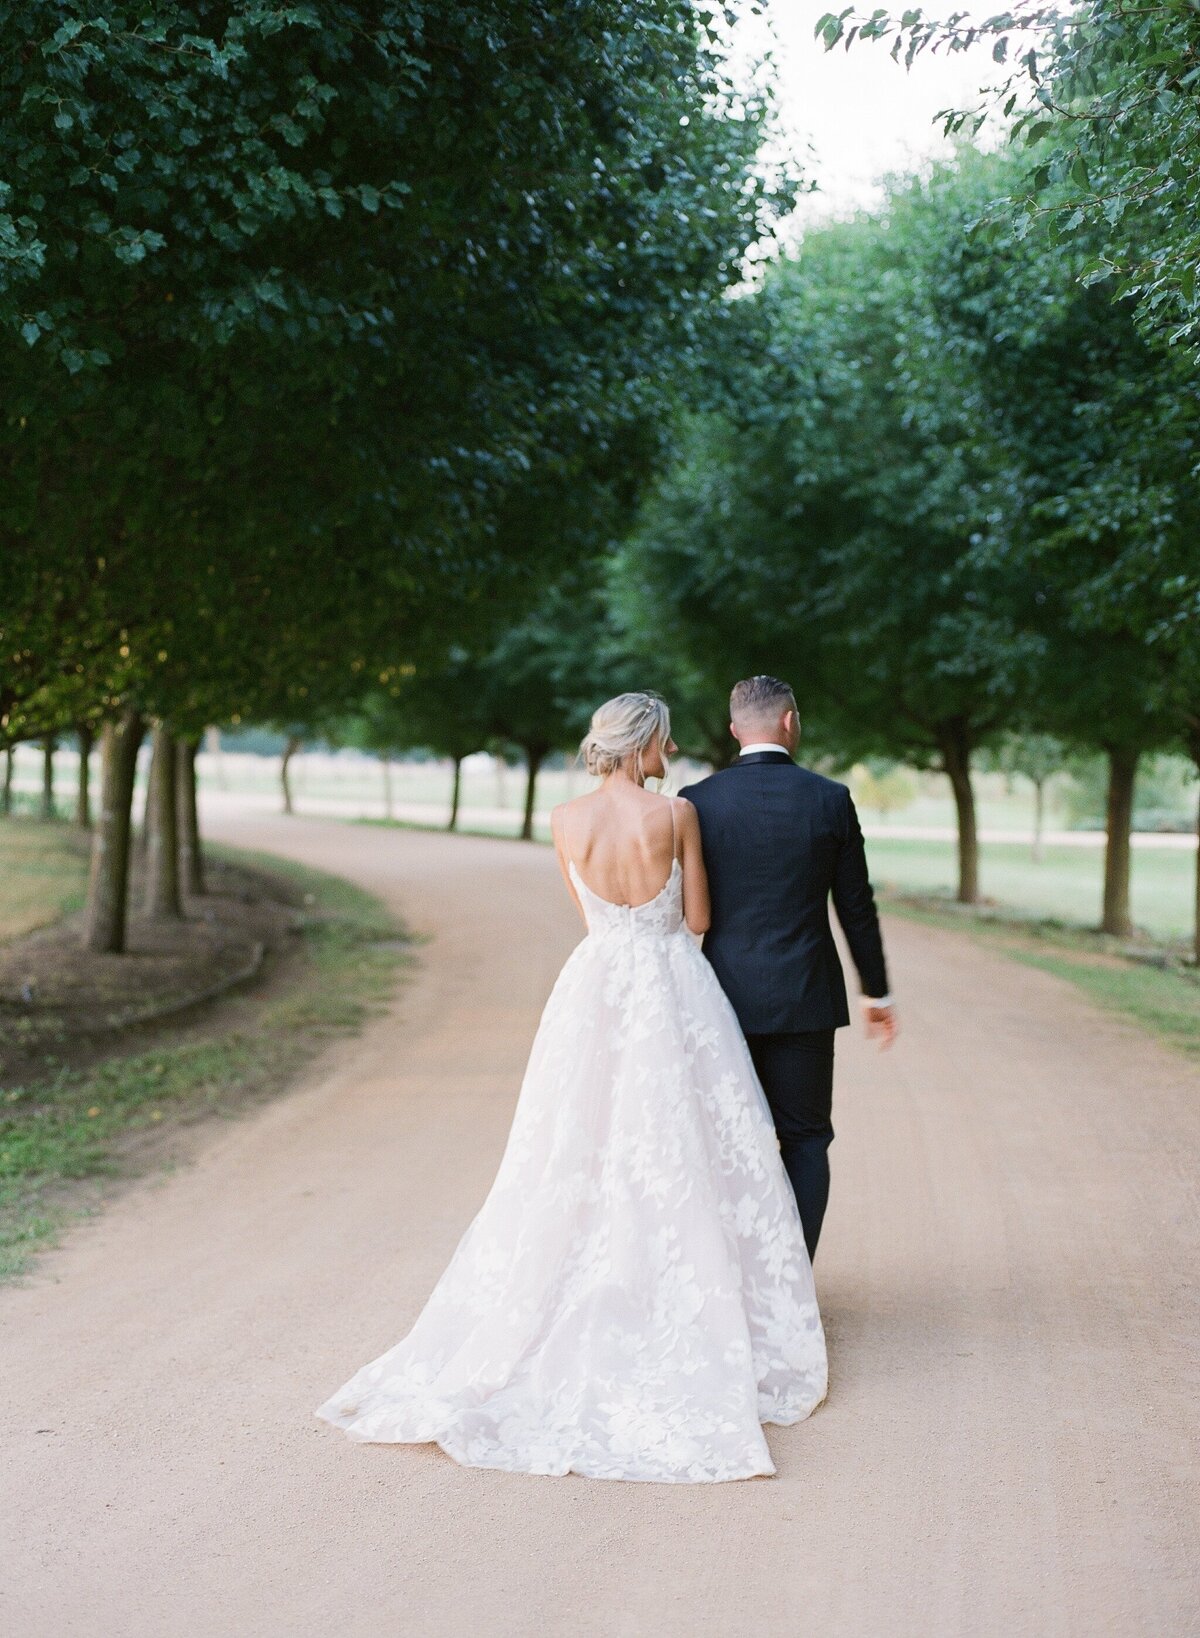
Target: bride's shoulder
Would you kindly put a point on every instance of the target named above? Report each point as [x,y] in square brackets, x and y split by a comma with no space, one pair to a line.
[563,812]
[683,814]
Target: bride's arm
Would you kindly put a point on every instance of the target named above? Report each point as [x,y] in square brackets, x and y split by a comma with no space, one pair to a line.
[556,830]
[696,908]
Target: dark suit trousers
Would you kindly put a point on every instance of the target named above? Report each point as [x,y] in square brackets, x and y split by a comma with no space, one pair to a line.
[796,1072]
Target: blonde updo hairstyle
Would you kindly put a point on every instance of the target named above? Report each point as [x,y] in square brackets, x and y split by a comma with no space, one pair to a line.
[623,728]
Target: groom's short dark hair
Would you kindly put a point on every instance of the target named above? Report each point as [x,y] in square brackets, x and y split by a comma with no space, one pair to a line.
[760,697]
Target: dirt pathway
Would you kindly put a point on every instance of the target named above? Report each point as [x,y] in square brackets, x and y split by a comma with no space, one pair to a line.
[1008,1275]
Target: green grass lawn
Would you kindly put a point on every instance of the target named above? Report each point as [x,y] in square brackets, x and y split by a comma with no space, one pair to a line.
[1164,1001]
[43,874]
[1066,885]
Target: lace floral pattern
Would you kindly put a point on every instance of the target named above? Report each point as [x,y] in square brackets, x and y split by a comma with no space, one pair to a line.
[634,1299]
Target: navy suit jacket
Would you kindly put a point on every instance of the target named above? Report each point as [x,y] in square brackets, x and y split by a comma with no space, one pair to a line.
[779,840]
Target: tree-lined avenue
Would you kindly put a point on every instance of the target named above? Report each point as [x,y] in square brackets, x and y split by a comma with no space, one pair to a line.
[1007,1278]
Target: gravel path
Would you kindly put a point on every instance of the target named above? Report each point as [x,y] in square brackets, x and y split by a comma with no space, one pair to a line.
[1008,1275]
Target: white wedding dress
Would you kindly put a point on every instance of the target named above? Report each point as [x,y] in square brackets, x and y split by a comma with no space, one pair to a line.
[634,1299]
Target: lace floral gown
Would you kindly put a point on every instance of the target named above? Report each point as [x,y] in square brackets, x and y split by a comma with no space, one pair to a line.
[634,1299]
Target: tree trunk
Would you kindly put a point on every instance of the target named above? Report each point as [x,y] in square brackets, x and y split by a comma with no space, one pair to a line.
[162,849]
[533,761]
[289,751]
[7,794]
[191,856]
[388,808]
[142,836]
[1122,776]
[85,739]
[1192,739]
[1196,917]
[48,778]
[455,793]
[1039,817]
[108,882]
[955,746]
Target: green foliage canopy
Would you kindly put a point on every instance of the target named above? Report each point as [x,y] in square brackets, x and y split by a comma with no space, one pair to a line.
[1106,95]
[294,302]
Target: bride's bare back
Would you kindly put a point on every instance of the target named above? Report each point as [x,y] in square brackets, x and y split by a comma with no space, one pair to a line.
[622,839]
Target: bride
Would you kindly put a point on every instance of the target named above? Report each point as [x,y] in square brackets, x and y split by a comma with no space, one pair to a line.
[634,1298]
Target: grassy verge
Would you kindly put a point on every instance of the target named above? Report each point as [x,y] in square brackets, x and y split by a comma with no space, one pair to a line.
[1152,987]
[64,1140]
[1067,884]
[44,875]
[1164,1001]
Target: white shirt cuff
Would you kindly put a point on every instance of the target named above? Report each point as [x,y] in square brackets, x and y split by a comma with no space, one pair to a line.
[881,1001]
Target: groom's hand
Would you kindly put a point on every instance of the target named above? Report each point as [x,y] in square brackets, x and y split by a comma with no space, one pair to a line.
[882,1025]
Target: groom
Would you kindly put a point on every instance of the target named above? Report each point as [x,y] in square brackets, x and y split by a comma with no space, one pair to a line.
[778,841]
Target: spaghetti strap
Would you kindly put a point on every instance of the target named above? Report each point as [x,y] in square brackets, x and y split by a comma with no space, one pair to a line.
[674,837]
[566,836]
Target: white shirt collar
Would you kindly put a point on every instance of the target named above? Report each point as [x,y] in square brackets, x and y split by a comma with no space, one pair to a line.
[766,745]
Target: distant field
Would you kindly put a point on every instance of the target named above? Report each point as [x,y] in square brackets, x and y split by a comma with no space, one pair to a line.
[1066,885]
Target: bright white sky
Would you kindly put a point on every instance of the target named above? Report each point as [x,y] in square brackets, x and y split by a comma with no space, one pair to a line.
[862,113]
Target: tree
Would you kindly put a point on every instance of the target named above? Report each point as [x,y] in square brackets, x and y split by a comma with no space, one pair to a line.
[191,858]
[1091,439]
[1103,96]
[232,239]
[883,787]
[292,745]
[676,589]
[49,745]
[440,706]
[828,535]
[109,882]
[546,674]
[957,499]
[162,840]
[1037,757]
[85,739]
